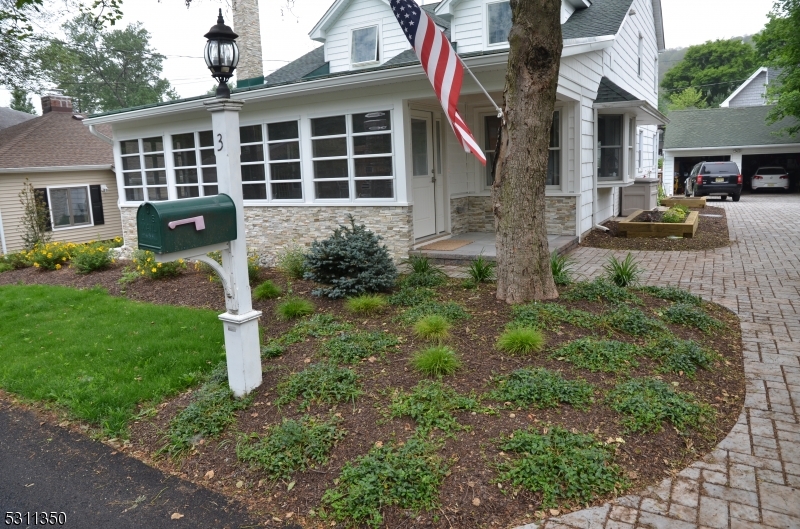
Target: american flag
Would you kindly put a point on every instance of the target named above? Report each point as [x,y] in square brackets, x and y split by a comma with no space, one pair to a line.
[441,64]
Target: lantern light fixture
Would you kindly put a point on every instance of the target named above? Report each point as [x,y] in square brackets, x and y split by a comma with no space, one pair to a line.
[221,55]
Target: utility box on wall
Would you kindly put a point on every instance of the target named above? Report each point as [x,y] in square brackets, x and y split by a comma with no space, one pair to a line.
[643,194]
[178,225]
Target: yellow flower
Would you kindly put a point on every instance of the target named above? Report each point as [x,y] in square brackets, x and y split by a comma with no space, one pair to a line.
[36,265]
[138,267]
[49,256]
[159,265]
[180,261]
[58,267]
[63,258]
[154,270]
[142,272]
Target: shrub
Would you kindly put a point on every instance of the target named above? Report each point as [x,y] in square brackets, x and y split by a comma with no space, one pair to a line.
[292,261]
[321,383]
[520,341]
[541,388]
[409,296]
[691,316]
[609,356]
[146,265]
[680,356]
[290,446]
[406,475]
[5,267]
[366,304]
[481,270]
[423,273]
[674,215]
[673,294]
[267,290]
[352,347]
[451,311]
[212,409]
[16,260]
[51,255]
[436,361]
[551,316]
[601,290]
[647,402]
[623,273]
[352,261]
[560,465]
[431,405]
[294,308]
[561,267]
[87,258]
[634,322]
[432,327]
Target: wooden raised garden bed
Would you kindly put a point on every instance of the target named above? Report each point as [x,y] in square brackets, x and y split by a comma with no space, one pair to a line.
[633,229]
[689,202]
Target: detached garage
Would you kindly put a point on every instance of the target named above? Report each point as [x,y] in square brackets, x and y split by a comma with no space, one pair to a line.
[739,134]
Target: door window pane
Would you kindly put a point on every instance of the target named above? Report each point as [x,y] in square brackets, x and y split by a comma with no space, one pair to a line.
[419,146]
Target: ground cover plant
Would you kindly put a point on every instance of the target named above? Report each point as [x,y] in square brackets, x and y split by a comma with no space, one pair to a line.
[450,310]
[601,290]
[691,316]
[352,347]
[633,321]
[673,294]
[610,356]
[300,383]
[100,356]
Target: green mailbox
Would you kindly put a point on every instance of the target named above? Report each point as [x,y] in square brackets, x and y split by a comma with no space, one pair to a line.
[178,225]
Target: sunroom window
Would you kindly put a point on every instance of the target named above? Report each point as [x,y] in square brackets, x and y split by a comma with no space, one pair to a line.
[195,164]
[271,161]
[499,22]
[143,171]
[365,45]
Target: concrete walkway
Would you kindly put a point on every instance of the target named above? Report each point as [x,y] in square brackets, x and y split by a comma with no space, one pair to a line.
[752,479]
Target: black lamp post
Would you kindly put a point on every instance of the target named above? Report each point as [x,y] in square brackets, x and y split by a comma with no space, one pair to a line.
[221,55]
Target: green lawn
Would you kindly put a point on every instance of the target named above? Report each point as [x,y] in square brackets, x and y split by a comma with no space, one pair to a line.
[99,356]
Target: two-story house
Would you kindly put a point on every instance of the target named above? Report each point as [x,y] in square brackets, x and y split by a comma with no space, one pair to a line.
[354,127]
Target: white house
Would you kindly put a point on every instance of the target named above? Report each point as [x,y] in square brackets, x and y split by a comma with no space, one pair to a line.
[354,127]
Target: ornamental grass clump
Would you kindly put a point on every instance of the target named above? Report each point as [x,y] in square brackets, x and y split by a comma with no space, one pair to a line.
[294,307]
[366,304]
[436,361]
[350,262]
[434,327]
[561,268]
[520,341]
[292,261]
[423,273]
[623,273]
[146,265]
[267,290]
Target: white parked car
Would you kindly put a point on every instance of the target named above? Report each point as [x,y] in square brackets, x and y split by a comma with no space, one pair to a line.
[770,177]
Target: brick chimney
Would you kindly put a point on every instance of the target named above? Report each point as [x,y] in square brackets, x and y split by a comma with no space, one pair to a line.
[56,103]
[246,24]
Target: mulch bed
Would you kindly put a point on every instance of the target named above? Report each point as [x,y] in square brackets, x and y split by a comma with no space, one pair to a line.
[712,232]
[646,458]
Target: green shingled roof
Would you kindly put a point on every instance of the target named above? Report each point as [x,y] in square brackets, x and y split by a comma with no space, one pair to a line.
[725,127]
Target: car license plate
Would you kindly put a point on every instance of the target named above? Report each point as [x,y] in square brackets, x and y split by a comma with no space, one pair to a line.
[769,185]
[720,180]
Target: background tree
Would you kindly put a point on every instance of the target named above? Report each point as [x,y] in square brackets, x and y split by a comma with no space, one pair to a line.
[714,68]
[523,255]
[20,101]
[779,46]
[689,98]
[104,69]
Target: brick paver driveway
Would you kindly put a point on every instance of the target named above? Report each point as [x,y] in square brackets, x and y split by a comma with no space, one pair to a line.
[752,479]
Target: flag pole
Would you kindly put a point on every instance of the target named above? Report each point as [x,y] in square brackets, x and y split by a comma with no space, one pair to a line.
[499,110]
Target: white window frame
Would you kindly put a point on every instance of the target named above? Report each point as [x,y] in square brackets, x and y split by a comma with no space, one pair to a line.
[640,148]
[267,163]
[71,226]
[639,65]
[625,151]
[377,59]
[201,183]
[142,170]
[655,75]
[500,44]
[351,157]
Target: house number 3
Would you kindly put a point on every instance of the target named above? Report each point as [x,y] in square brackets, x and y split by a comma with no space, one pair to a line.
[219,139]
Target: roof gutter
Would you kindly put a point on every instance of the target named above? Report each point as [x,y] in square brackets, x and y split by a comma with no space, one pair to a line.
[55,169]
[586,44]
[100,135]
[729,147]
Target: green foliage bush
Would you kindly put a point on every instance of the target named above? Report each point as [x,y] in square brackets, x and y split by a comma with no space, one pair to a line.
[674,215]
[646,403]
[561,268]
[561,466]
[292,261]
[520,341]
[16,260]
[541,388]
[86,258]
[691,316]
[406,475]
[609,356]
[267,290]
[318,325]
[146,266]
[680,356]
[290,446]
[294,308]
[212,409]
[673,294]
[409,296]
[551,316]
[51,255]
[351,261]
[324,382]
[423,273]
[366,304]
[351,347]
[431,404]
[623,273]
[433,327]
[601,290]
[5,267]
[634,322]
[436,361]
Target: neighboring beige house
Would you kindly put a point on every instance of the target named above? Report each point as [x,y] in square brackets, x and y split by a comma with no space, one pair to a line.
[71,168]
[10,117]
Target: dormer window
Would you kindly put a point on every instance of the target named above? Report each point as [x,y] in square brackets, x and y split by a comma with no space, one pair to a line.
[365,46]
[499,22]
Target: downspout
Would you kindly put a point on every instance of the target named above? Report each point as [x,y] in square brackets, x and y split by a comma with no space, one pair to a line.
[100,135]
[594,175]
[2,238]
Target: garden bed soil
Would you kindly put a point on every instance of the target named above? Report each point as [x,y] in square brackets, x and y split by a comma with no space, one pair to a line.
[712,232]
[469,496]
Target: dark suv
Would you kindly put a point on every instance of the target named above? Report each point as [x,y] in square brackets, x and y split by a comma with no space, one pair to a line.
[715,178]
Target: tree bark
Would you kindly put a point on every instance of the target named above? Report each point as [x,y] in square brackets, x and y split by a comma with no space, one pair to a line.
[523,258]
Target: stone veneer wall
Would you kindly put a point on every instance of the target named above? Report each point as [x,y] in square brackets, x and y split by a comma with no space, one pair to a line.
[474,213]
[270,229]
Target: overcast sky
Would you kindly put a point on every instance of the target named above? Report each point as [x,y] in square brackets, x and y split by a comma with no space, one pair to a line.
[177,32]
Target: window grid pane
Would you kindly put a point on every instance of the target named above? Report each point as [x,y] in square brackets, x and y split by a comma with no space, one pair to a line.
[285,172]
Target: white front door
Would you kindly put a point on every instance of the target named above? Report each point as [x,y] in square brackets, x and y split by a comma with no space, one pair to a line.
[423,174]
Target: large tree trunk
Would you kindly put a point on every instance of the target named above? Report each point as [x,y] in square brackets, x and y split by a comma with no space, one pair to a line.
[523,258]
